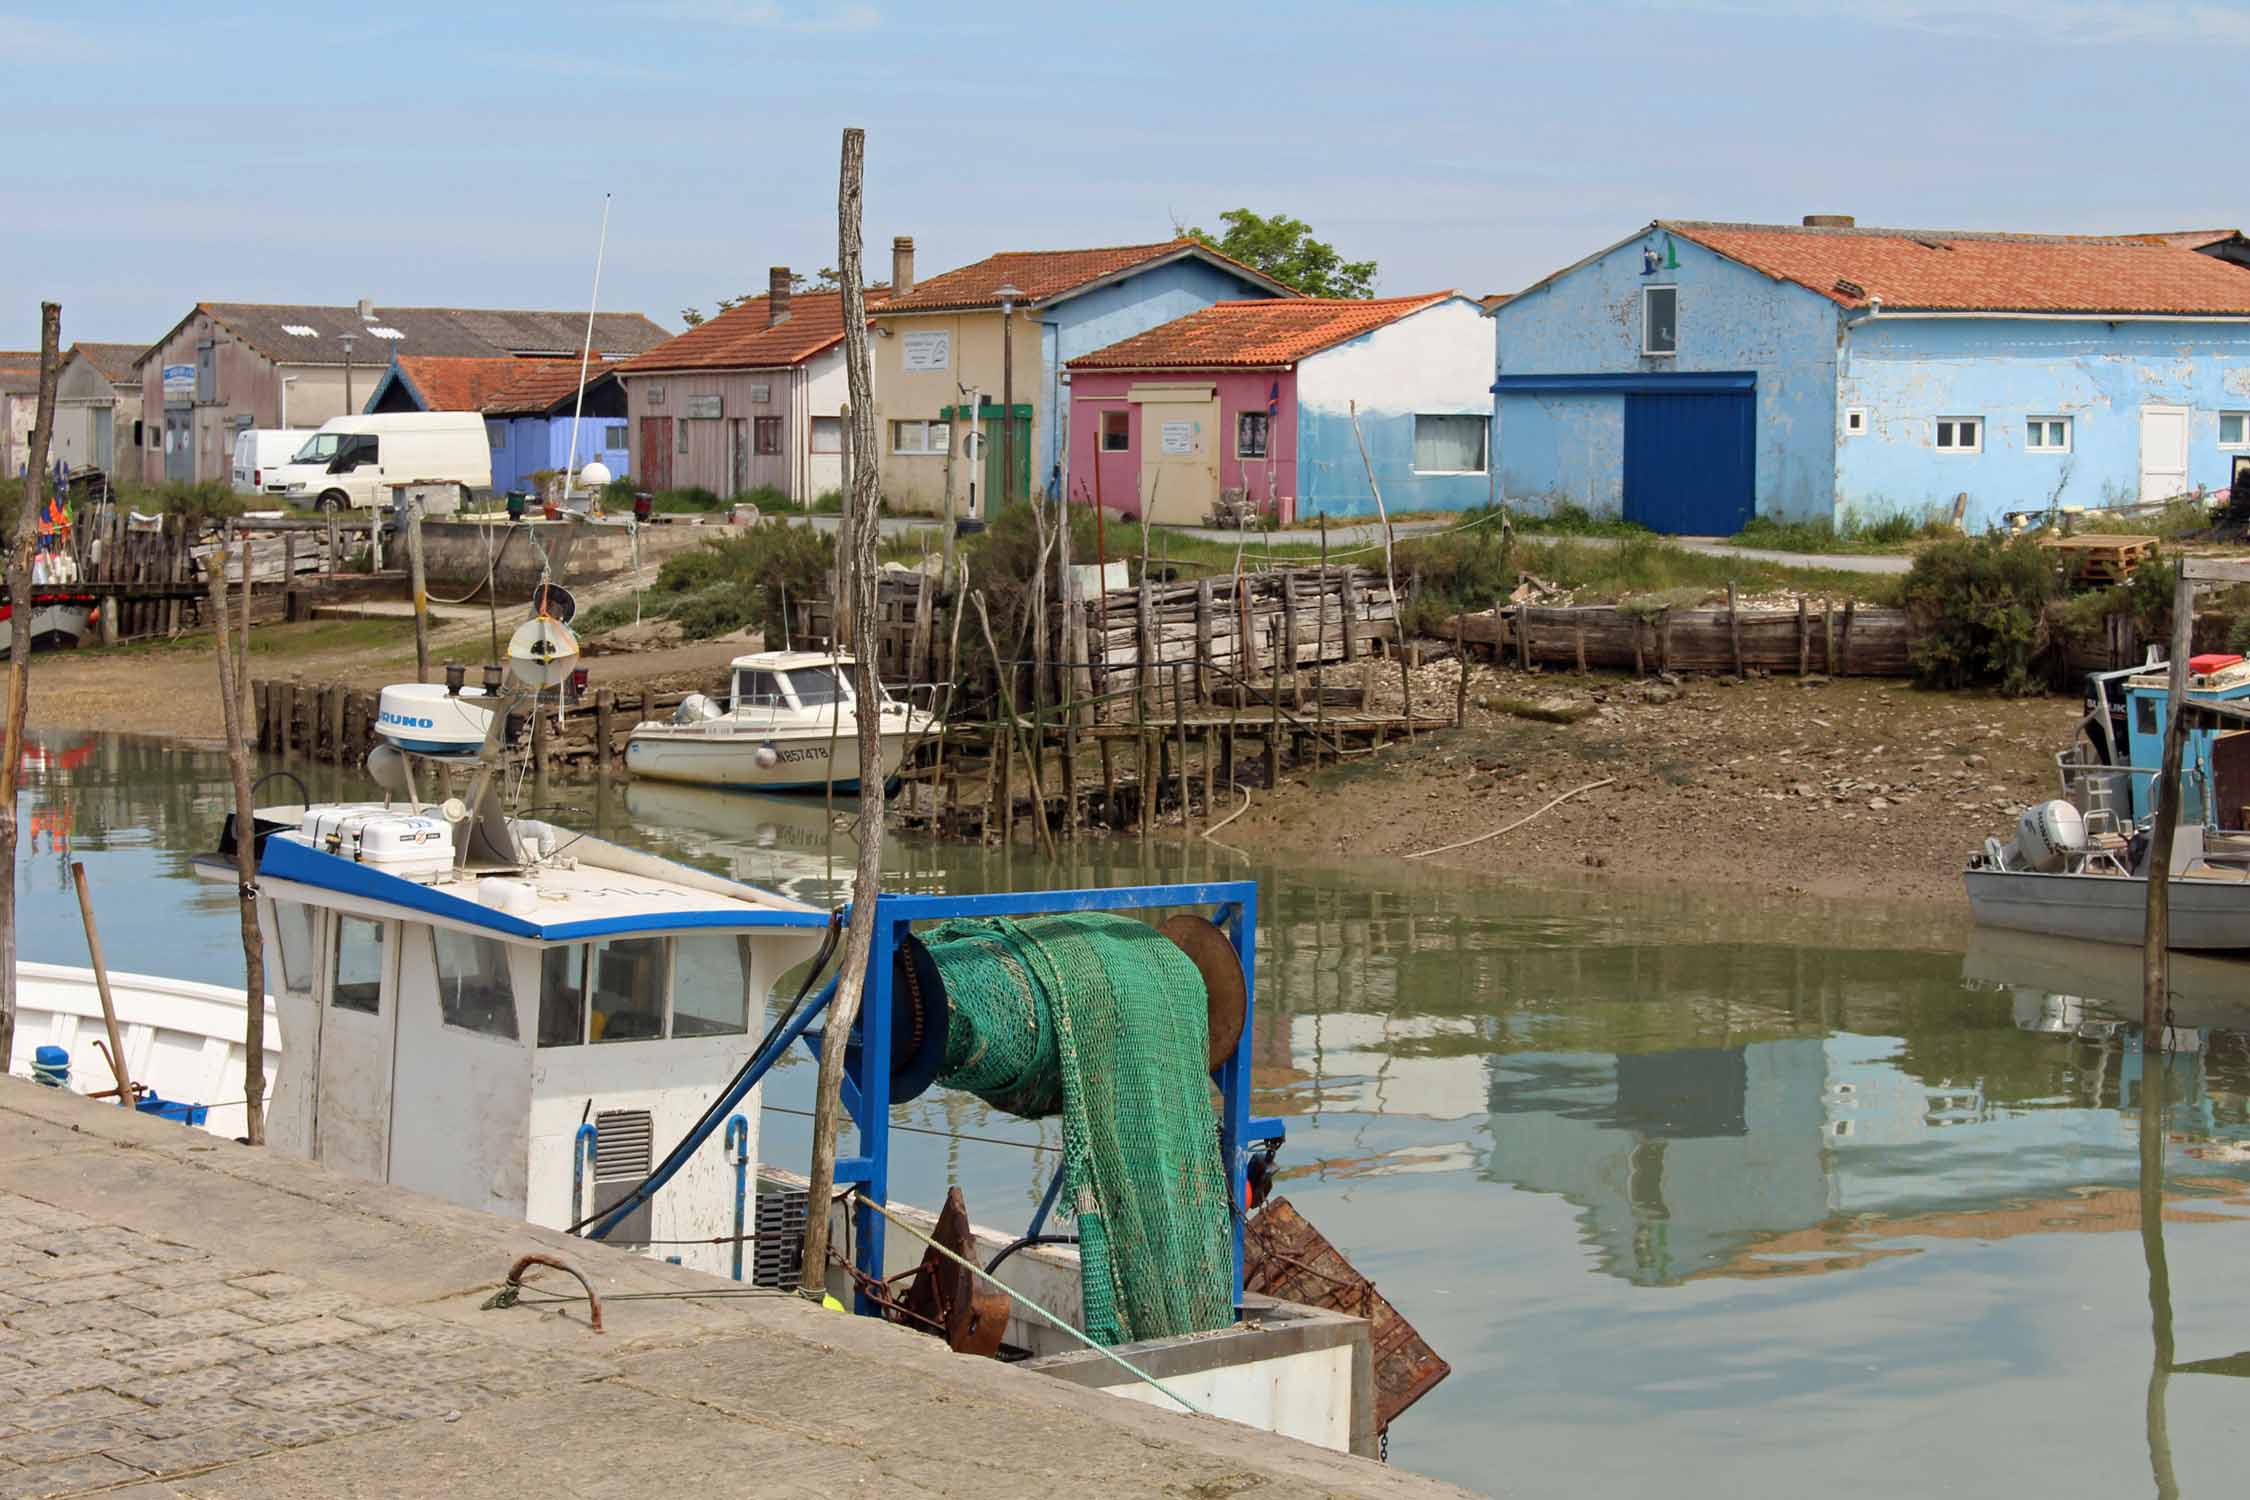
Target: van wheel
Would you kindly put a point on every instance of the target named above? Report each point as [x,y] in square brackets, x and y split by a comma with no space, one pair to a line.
[332,501]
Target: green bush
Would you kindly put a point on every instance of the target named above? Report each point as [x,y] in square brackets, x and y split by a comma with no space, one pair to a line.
[741,580]
[694,500]
[1980,613]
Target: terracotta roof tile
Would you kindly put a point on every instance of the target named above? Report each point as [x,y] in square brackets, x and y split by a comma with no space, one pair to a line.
[1952,271]
[19,359]
[1270,331]
[741,338]
[454,383]
[1044,275]
[539,385]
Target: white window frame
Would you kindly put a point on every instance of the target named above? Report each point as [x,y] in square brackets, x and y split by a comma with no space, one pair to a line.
[1484,439]
[2043,447]
[1957,446]
[1855,421]
[930,428]
[1646,351]
[2240,444]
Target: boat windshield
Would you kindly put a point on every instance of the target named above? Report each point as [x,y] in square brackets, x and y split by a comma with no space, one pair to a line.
[817,687]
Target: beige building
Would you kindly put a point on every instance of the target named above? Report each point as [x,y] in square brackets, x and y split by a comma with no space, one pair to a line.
[228,366]
[98,407]
[945,342]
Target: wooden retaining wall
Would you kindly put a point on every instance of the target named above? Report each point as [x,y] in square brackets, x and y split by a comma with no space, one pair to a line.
[1850,639]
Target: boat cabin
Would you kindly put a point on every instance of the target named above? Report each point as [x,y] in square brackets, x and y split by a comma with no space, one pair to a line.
[2214,763]
[775,683]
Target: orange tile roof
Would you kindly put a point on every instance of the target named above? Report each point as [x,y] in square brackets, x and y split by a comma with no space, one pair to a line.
[1952,271]
[449,382]
[1044,275]
[539,384]
[1268,332]
[741,339]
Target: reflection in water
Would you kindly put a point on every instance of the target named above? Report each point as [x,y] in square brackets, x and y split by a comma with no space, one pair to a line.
[1650,1171]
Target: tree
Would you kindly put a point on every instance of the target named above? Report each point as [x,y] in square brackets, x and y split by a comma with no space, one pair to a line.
[1284,249]
[822,281]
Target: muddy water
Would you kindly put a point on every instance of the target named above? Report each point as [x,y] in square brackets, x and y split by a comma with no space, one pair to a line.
[1702,1197]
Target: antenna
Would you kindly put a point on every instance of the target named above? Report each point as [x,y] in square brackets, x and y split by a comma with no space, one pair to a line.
[585,357]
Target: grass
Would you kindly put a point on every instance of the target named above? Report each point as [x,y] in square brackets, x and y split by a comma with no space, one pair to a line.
[2176,519]
[1566,519]
[1891,533]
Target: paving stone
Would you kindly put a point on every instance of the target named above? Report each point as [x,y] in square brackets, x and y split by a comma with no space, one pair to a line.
[87,1264]
[420,1405]
[171,1359]
[198,1297]
[318,1390]
[72,1375]
[78,1406]
[160,1423]
[35,1218]
[85,1239]
[67,1440]
[63,1348]
[195,1450]
[204,1323]
[382,1319]
[328,1359]
[66,1293]
[91,1471]
[60,1322]
[430,1341]
[271,1284]
[188,1385]
[293,1429]
[165,1250]
[282,1337]
[297,1305]
[168,1276]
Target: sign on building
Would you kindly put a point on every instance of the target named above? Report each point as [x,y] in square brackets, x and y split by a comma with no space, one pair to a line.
[926,351]
[1179,437]
[706,406]
[179,382]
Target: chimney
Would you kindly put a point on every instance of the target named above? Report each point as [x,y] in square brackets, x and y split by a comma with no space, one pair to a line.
[777,295]
[902,265]
[1830,221]
[366,310]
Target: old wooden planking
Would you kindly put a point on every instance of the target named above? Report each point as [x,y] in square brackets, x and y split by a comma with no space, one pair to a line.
[1876,641]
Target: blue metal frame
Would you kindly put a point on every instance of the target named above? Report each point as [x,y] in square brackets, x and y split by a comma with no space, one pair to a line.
[738,1146]
[582,1149]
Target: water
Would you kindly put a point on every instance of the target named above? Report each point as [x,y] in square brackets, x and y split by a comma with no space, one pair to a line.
[1709,1194]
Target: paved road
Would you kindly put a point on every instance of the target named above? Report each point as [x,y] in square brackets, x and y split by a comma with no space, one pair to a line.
[194,1318]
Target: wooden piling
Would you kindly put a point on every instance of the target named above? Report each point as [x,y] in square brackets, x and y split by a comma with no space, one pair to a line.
[1734,627]
[1804,637]
[605,727]
[332,722]
[1461,683]
[1849,606]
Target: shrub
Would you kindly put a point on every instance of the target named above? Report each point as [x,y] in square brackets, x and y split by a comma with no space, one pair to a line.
[694,500]
[741,580]
[1979,609]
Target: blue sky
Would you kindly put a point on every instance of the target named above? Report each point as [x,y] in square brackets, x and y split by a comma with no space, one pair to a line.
[416,153]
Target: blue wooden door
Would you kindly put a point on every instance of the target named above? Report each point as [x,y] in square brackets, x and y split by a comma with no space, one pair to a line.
[1691,462]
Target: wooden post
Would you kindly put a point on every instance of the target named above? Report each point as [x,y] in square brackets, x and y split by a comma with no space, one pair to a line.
[421,586]
[1179,720]
[1288,577]
[289,577]
[288,719]
[1390,574]
[1804,637]
[1849,606]
[234,673]
[605,727]
[1828,636]
[339,749]
[1664,640]
[1523,636]
[1109,780]
[2156,940]
[1734,627]
[1203,640]
[1461,662]
[1210,767]
[1640,668]
[1273,726]
[1319,664]
[101,985]
[1144,632]
[1579,633]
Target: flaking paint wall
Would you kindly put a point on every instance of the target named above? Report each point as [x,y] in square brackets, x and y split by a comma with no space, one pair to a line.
[1437,361]
[1907,372]
[1554,449]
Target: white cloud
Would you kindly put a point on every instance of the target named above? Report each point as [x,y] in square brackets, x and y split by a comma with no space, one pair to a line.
[2057,23]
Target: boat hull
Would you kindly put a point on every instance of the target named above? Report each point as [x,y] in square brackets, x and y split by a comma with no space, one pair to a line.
[800,762]
[183,1040]
[2206,915]
[55,621]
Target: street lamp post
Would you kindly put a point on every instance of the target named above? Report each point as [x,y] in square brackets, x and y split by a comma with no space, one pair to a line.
[347,374]
[1009,292]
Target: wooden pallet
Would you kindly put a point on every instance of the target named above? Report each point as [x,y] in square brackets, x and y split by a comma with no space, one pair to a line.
[2098,558]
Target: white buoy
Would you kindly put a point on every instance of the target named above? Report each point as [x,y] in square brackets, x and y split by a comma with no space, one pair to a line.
[594,475]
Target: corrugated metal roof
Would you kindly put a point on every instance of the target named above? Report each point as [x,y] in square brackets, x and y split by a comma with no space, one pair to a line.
[298,334]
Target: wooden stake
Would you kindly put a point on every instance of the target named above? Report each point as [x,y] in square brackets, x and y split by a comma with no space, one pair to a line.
[1804,637]
[2156,940]
[20,549]
[1849,606]
[101,985]
[605,726]
[1390,576]
[1461,683]
[421,585]
[231,672]
[1734,627]
[1179,719]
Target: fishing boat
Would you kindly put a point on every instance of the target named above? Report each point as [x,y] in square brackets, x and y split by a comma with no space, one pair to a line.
[2077,865]
[538,1023]
[57,617]
[790,723]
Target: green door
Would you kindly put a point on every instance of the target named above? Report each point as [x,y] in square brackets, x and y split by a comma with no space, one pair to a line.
[991,437]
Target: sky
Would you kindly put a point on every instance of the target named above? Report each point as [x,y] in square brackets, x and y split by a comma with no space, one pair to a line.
[416,153]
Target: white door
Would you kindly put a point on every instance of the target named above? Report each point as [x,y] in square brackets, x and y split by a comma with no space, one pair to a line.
[462,1089]
[352,1121]
[2164,452]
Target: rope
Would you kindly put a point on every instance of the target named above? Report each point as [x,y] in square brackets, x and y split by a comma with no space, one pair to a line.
[982,1274]
[1518,823]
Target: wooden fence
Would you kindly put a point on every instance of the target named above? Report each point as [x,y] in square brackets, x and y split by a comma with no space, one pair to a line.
[1853,639]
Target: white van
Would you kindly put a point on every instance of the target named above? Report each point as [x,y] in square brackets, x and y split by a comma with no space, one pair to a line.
[353,461]
[258,451]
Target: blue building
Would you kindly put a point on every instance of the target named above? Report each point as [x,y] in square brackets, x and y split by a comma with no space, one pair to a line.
[530,423]
[1697,374]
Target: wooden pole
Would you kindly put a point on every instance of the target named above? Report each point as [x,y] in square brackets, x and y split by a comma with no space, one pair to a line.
[1804,637]
[20,550]
[1846,666]
[1179,719]
[2156,941]
[242,649]
[1390,578]
[1734,627]
[231,670]
[1320,657]
[605,726]
[421,585]
[101,985]
[1461,683]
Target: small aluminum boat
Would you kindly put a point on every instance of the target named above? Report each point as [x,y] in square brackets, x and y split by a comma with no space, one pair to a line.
[2058,879]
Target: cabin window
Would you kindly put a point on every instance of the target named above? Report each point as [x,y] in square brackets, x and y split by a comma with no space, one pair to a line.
[756,690]
[828,434]
[766,433]
[2047,435]
[562,997]
[710,985]
[2144,716]
[1449,444]
[1960,434]
[359,966]
[815,687]
[1117,432]
[474,992]
[293,928]
[1250,434]
[1660,320]
[626,976]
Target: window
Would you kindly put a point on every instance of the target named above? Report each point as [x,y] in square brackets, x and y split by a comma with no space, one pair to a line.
[614,435]
[920,437]
[206,372]
[2234,429]
[354,450]
[767,432]
[1855,421]
[1960,434]
[496,435]
[293,928]
[1660,320]
[626,976]
[1449,444]
[681,445]
[1117,431]
[710,985]
[2047,435]
[815,687]
[1250,435]
[828,434]
[474,991]
[756,690]
[359,966]
[562,997]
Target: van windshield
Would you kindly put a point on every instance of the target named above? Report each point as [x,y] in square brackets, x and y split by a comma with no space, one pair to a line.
[320,449]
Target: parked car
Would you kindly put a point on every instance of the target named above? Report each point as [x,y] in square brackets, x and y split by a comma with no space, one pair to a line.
[351,462]
[258,451]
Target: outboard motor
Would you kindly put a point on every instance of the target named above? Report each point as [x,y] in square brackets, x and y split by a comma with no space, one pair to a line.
[696,708]
[2047,833]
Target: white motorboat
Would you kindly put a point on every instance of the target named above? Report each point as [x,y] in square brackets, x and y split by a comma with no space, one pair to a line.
[791,723]
[2060,878]
[183,1042]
